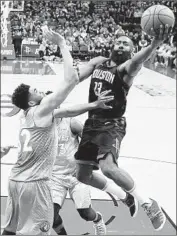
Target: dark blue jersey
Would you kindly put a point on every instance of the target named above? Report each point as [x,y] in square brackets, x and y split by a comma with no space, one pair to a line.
[105,77]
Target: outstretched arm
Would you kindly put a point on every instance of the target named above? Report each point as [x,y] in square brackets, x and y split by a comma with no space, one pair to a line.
[82,108]
[52,101]
[133,65]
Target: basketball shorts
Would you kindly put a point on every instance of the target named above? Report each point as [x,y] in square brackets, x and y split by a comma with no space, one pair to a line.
[100,136]
[78,192]
[29,208]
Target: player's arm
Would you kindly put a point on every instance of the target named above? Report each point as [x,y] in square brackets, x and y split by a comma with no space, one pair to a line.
[82,108]
[76,127]
[133,65]
[86,70]
[52,101]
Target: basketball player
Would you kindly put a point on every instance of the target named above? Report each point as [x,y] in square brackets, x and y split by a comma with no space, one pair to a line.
[112,188]
[64,178]
[29,204]
[64,170]
[104,130]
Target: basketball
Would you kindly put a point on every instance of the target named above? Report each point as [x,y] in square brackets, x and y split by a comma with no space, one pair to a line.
[155,16]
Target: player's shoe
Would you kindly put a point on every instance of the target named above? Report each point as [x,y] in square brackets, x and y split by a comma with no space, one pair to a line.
[155,214]
[132,204]
[100,227]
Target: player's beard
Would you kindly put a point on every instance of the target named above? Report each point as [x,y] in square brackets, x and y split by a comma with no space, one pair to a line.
[120,58]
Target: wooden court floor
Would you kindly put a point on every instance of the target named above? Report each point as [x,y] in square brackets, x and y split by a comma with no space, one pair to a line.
[116,216]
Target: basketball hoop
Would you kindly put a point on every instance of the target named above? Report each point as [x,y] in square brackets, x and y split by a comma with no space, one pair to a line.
[5,9]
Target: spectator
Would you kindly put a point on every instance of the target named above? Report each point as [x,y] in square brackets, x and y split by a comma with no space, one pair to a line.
[98,49]
[119,31]
[42,49]
[17,41]
[98,24]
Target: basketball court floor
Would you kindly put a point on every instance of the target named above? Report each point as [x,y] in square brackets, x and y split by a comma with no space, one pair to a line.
[148,150]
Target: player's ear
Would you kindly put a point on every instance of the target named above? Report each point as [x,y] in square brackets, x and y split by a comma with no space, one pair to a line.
[132,52]
[31,103]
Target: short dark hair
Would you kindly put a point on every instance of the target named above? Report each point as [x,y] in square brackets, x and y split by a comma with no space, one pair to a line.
[20,96]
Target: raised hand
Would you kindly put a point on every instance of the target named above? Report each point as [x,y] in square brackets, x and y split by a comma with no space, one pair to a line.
[103,99]
[5,150]
[164,33]
[52,36]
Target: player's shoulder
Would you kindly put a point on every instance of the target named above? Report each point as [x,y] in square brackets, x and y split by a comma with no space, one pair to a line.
[31,113]
[31,110]
[98,60]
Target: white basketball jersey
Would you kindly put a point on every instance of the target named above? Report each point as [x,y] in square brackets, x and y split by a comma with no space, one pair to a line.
[67,146]
[37,150]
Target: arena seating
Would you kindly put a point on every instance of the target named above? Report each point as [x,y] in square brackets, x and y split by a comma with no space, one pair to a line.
[85,22]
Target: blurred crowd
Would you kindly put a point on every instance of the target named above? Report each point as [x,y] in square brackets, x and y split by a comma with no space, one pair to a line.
[90,28]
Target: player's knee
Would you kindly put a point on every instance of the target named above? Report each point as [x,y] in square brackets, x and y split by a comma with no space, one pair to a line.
[85,179]
[84,174]
[85,214]
[108,166]
[109,173]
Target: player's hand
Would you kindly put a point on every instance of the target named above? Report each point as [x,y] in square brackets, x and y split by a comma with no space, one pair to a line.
[103,99]
[164,33]
[52,36]
[5,150]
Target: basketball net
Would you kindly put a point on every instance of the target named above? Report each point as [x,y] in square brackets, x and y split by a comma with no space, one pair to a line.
[4,20]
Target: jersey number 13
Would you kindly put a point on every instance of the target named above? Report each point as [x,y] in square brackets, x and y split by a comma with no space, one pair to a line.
[98,88]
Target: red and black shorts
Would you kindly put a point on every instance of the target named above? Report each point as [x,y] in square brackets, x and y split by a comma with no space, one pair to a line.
[100,136]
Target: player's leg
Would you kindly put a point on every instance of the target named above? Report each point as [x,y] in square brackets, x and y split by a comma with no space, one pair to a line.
[86,175]
[109,153]
[11,213]
[59,192]
[80,194]
[107,157]
[86,159]
[112,188]
[89,214]
[35,208]
[121,178]
[58,222]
